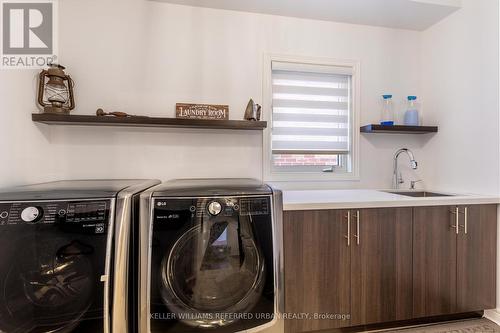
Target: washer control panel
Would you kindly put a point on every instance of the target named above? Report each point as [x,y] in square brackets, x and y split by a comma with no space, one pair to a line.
[88,215]
[178,211]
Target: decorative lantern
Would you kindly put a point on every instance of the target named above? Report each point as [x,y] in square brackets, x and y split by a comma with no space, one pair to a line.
[55,90]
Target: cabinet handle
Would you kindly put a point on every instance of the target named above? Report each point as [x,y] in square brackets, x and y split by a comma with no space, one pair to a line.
[466,213]
[456,213]
[357,228]
[348,228]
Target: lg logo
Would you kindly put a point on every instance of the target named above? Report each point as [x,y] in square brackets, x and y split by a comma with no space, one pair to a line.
[27,28]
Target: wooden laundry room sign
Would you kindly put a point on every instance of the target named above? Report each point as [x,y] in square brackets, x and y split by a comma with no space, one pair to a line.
[201,111]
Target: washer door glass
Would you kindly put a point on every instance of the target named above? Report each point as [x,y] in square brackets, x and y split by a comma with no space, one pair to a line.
[46,287]
[214,271]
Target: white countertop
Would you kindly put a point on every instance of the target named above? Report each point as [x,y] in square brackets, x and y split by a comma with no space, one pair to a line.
[341,199]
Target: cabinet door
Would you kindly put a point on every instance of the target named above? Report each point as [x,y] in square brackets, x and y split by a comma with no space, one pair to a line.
[317,268]
[476,258]
[434,261]
[381,265]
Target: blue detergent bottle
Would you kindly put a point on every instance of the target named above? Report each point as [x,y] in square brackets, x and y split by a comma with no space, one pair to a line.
[411,114]
[387,114]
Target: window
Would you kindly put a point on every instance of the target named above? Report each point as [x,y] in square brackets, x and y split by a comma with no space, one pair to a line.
[312,118]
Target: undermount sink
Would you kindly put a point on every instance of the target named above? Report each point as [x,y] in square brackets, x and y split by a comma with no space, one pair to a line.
[420,194]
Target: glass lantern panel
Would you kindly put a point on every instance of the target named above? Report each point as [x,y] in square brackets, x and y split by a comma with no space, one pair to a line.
[56,93]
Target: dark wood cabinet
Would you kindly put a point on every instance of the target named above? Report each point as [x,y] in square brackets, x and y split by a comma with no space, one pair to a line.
[454,259]
[387,264]
[476,258]
[381,265]
[317,268]
[434,261]
[365,273]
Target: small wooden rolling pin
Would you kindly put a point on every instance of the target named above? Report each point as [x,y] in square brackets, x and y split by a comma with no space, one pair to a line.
[100,113]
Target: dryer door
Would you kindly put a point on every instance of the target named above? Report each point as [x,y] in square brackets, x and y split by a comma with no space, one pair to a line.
[214,271]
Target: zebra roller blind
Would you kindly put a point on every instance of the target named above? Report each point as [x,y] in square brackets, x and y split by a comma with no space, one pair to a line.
[311,108]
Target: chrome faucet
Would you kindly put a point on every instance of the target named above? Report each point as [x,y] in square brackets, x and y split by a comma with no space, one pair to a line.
[413,183]
[397,176]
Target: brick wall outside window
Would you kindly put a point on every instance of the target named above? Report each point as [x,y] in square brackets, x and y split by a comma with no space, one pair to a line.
[297,160]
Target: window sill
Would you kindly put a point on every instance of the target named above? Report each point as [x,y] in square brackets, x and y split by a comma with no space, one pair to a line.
[310,177]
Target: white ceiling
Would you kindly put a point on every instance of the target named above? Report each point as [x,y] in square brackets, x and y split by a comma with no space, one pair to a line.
[404,14]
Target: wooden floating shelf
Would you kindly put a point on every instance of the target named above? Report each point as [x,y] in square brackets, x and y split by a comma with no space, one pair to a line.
[398,129]
[138,121]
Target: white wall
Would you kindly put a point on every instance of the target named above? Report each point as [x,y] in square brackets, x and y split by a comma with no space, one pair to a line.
[142,57]
[460,85]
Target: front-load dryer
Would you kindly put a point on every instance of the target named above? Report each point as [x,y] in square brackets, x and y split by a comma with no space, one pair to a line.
[64,256]
[210,257]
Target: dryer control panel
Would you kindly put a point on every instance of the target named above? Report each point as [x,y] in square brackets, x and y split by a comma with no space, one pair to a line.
[86,215]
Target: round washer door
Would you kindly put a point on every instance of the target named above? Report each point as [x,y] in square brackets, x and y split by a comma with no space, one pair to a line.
[213,273]
[46,287]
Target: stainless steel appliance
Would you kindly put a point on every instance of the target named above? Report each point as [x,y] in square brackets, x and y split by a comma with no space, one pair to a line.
[210,256]
[64,260]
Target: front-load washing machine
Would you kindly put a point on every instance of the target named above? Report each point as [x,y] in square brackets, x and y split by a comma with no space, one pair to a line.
[210,257]
[64,257]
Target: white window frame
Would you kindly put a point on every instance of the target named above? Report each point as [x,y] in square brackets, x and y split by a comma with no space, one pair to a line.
[289,176]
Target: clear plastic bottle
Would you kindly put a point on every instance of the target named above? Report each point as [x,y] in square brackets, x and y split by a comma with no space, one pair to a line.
[387,115]
[411,114]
